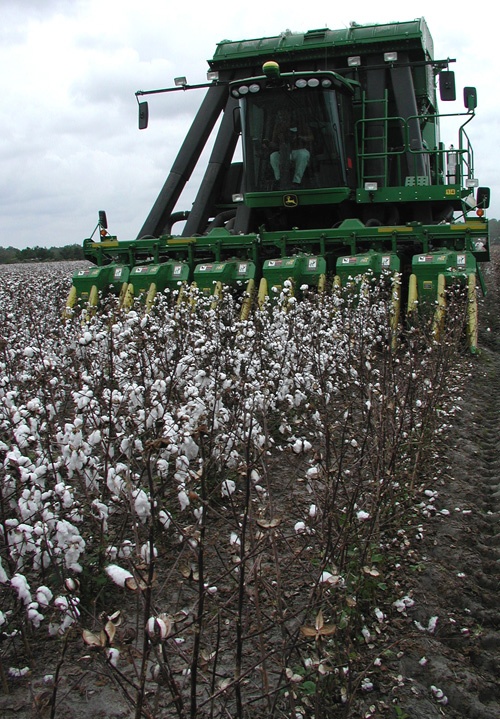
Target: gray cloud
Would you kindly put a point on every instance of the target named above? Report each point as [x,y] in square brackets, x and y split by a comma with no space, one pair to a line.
[69,143]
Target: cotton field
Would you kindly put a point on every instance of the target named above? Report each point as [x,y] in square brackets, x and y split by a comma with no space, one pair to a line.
[228,497]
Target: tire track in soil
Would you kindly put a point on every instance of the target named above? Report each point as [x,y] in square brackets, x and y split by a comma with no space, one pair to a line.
[461,582]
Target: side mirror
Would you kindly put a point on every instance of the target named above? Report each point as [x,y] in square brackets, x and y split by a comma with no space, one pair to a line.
[483,197]
[143,115]
[103,222]
[447,89]
[470,98]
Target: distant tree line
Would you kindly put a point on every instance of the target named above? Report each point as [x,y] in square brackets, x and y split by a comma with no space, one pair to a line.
[11,255]
[494,230]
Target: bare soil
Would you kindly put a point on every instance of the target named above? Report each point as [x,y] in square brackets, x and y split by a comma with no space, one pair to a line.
[449,666]
[459,577]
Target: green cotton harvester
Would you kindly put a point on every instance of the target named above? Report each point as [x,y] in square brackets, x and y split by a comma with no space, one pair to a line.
[342,172]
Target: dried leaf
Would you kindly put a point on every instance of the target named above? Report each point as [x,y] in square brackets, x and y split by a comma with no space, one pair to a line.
[93,640]
[116,618]
[110,630]
[308,631]
[328,630]
[269,523]
[371,571]
[135,584]
[320,629]
[189,571]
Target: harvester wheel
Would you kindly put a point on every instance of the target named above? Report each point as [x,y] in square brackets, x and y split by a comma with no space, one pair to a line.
[472,313]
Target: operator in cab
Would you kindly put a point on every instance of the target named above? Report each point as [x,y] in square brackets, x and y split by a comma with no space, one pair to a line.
[290,143]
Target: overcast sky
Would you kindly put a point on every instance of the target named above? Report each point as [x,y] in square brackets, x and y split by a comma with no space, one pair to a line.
[69,143]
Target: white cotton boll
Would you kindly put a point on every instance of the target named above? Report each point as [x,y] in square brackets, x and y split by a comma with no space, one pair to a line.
[165,518]
[67,499]
[362,516]
[254,476]
[3,575]
[43,596]
[126,549]
[146,552]
[142,505]
[198,513]
[366,634]
[439,695]
[21,586]
[162,468]
[61,603]
[183,499]
[85,339]
[34,615]
[117,574]
[189,448]
[111,553]
[234,540]
[297,446]
[29,352]
[402,604]
[228,487]
[113,656]
[2,619]
[331,579]
[313,511]
[299,527]
[313,472]
[431,627]
[95,438]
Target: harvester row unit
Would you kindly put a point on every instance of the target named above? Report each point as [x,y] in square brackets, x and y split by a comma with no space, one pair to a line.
[327,162]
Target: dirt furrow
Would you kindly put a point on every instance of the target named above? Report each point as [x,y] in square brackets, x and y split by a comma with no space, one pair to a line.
[461,553]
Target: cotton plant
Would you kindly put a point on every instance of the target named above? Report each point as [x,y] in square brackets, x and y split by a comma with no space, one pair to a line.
[127,441]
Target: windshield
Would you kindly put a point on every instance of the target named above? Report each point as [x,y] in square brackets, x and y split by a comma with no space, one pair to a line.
[292,140]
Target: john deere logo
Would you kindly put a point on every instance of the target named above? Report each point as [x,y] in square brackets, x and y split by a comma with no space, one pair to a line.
[290,200]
